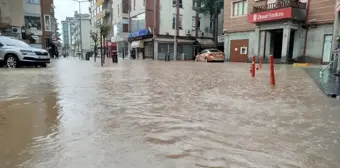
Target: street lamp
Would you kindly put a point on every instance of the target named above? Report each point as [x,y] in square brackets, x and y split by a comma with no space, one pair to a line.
[80,32]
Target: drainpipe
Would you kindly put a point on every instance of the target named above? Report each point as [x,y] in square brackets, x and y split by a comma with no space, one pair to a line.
[176,29]
[307,28]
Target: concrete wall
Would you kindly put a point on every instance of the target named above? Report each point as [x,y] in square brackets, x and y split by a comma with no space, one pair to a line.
[12,12]
[85,31]
[32,9]
[315,40]
[252,42]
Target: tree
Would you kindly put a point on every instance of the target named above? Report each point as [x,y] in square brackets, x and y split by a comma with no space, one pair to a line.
[103,31]
[213,9]
[95,38]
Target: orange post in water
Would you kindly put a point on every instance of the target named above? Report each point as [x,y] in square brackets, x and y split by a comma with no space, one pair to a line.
[271,69]
[253,69]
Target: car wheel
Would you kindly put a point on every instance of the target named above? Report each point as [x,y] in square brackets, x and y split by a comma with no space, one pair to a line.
[205,59]
[43,65]
[12,61]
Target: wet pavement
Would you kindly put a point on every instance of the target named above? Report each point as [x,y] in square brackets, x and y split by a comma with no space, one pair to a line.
[158,114]
[329,83]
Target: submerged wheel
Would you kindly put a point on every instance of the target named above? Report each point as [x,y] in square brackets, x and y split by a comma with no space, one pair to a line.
[12,61]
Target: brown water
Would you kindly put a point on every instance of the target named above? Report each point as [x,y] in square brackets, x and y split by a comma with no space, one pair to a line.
[155,114]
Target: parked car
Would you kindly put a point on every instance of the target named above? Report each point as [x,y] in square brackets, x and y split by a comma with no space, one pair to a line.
[210,55]
[14,53]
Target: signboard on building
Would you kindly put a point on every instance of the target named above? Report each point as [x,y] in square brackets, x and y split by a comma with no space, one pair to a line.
[271,15]
[220,39]
[99,2]
[139,33]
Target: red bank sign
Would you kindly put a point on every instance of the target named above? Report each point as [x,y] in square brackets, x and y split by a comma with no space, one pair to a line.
[277,14]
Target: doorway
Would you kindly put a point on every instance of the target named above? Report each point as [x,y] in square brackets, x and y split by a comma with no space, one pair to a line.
[327,46]
[291,46]
[238,50]
[276,43]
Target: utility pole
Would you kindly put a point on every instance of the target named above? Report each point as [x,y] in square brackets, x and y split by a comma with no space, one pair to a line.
[129,30]
[81,36]
[176,29]
[80,27]
[43,32]
[155,57]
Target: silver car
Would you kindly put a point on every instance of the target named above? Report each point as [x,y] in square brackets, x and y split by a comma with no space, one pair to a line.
[16,53]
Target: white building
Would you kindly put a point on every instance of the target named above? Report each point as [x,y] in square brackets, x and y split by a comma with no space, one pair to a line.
[153,29]
[81,37]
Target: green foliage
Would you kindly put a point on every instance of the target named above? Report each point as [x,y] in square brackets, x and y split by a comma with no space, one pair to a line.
[94,36]
[211,7]
[103,30]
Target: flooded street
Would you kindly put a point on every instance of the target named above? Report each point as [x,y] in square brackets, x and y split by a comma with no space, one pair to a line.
[156,114]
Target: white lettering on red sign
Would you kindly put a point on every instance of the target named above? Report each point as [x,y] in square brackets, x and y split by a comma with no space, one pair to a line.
[268,16]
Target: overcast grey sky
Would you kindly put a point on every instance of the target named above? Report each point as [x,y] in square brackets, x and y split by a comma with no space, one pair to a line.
[66,8]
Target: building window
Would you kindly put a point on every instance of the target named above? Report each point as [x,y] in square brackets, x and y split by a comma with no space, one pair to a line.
[194,23]
[211,24]
[33,1]
[47,21]
[243,50]
[179,22]
[180,4]
[239,8]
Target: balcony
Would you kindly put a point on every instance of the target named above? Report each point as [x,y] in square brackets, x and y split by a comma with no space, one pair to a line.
[279,5]
[285,9]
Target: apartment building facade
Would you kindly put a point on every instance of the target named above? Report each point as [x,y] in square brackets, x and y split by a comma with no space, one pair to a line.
[290,30]
[11,17]
[81,40]
[120,26]
[156,24]
[67,31]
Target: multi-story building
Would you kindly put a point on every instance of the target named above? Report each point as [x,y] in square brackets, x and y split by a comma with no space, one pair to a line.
[36,11]
[290,30]
[80,31]
[67,26]
[120,27]
[154,29]
[11,17]
[97,14]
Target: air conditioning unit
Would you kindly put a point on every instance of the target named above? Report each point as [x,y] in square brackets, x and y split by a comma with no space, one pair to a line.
[16,30]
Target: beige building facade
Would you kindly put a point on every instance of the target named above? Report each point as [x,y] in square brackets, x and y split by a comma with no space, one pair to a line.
[11,16]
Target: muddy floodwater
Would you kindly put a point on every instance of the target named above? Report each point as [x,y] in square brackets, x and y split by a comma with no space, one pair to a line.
[156,114]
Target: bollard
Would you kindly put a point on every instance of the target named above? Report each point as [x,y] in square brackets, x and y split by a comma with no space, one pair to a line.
[253,59]
[271,69]
[253,69]
[260,62]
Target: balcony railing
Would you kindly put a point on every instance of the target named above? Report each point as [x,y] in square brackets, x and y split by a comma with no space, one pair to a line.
[279,5]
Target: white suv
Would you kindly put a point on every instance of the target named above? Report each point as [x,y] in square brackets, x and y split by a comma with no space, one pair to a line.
[15,53]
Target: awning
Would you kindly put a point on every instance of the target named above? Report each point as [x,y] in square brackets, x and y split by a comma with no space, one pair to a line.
[206,42]
[137,44]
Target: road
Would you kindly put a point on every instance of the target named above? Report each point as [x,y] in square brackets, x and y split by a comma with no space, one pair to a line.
[164,115]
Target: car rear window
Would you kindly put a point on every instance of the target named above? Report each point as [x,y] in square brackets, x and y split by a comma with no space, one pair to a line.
[215,50]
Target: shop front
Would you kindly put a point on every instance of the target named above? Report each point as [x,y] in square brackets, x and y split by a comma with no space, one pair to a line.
[137,43]
[279,31]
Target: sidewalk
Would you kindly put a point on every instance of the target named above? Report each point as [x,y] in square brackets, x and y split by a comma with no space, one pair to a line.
[329,84]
